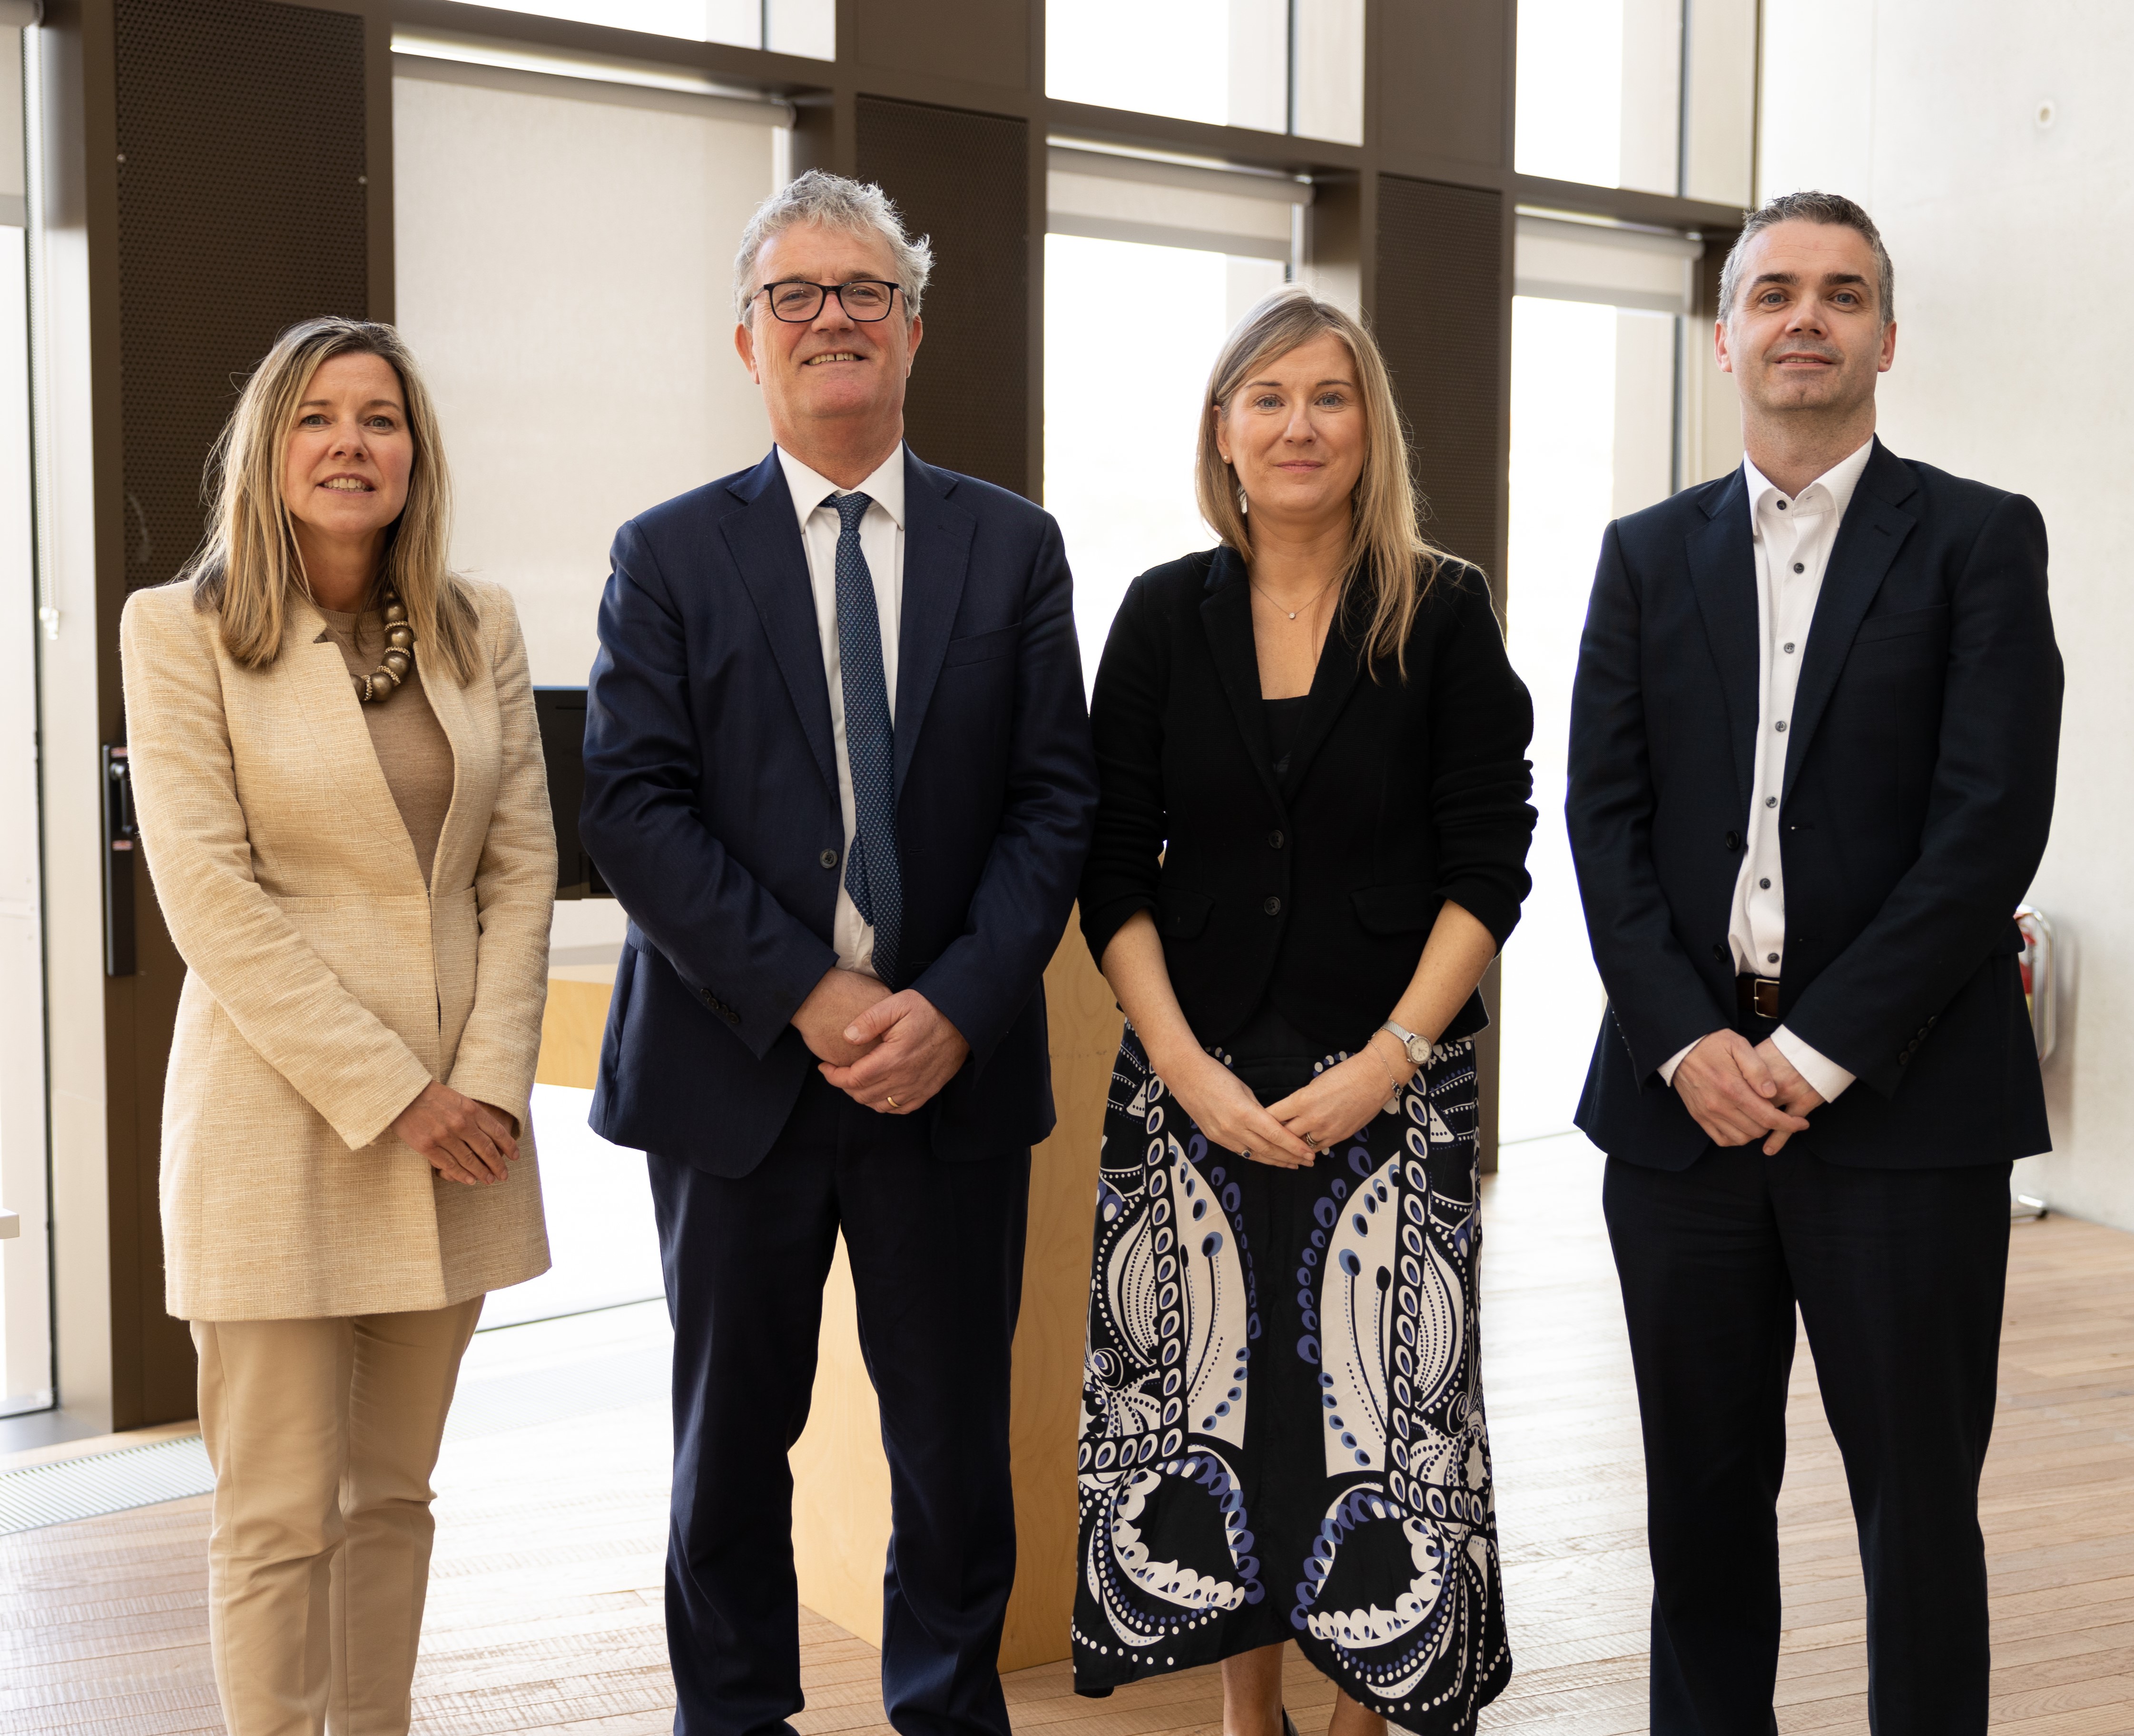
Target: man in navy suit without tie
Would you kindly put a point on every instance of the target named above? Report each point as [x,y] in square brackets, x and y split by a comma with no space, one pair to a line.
[1813,743]
[838,773]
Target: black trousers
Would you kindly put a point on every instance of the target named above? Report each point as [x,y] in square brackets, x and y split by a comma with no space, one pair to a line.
[936,1252]
[1898,1275]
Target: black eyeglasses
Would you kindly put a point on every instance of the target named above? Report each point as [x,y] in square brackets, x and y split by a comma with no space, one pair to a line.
[796,301]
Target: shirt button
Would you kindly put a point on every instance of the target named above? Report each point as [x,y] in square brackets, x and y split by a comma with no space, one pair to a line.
[1770,958]
[1272,906]
[1765,884]
[1771,801]
[1799,567]
[1782,506]
[1789,648]
[1274,840]
[828,858]
[1780,726]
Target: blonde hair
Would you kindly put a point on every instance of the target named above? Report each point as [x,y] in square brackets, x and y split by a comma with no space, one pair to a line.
[1390,566]
[249,563]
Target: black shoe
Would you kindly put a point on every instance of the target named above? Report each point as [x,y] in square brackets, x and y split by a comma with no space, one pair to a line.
[1288,1724]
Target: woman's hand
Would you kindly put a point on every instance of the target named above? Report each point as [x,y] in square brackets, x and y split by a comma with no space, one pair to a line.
[466,1142]
[1345,1097]
[1223,1108]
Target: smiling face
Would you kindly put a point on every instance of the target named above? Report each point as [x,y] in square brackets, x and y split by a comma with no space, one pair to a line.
[832,382]
[345,466]
[1806,333]
[1295,433]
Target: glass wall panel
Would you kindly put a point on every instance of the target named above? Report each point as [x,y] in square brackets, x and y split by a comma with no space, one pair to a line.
[1719,117]
[1223,61]
[1326,80]
[1131,333]
[785,26]
[1599,92]
[1592,436]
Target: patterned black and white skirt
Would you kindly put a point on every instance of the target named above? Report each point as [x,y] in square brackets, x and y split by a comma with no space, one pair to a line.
[1282,1431]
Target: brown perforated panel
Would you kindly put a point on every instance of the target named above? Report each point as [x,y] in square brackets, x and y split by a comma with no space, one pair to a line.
[1441,318]
[241,210]
[963,179]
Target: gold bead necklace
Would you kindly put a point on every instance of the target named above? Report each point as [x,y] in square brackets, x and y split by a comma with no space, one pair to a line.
[378,687]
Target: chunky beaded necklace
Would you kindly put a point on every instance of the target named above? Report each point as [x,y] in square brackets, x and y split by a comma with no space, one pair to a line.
[378,686]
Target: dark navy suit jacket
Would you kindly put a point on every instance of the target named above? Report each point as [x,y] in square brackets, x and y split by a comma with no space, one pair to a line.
[1917,796]
[711,805]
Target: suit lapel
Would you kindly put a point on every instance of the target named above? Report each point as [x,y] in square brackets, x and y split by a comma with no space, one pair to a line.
[1339,668]
[1226,616]
[937,556]
[764,539]
[333,714]
[448,704]
[1722,568]
[1874,530]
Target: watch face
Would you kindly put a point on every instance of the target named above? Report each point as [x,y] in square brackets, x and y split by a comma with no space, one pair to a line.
[1418,1051]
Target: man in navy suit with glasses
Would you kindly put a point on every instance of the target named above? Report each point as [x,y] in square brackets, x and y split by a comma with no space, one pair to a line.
[1812,744]
[838,773]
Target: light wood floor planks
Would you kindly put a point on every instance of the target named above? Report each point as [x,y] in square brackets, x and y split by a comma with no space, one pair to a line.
[545,1607]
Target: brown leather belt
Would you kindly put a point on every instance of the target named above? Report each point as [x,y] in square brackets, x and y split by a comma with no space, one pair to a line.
[1756,994]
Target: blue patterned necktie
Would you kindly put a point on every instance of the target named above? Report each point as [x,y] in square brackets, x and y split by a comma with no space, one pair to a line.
[872,874]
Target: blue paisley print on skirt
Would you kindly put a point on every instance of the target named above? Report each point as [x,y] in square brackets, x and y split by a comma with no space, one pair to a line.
[1283,1434]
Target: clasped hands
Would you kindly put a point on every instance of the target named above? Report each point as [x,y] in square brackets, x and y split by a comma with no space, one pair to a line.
[892,1052]
[467,1141]
[1334,1106]
[1738,1091]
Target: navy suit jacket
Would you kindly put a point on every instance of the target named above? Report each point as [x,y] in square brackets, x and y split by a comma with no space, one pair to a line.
[711,805]
[1917,795]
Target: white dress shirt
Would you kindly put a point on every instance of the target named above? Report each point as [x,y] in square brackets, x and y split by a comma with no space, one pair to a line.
[1792,536]
[881,541]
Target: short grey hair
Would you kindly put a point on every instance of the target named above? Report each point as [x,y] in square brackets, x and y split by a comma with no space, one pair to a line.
[1832,208]
[835,202]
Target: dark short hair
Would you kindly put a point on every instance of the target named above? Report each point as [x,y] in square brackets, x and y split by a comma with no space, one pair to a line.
[1833,208]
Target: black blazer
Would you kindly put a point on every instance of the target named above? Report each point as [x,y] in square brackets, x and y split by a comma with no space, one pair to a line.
[711,805]
[1917,796]
[1318,887]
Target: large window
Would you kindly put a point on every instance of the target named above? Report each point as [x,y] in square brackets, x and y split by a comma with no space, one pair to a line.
[1277,66]
[785,26]
[1654,95]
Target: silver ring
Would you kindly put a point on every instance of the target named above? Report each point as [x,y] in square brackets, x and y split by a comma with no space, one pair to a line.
[1311,1141]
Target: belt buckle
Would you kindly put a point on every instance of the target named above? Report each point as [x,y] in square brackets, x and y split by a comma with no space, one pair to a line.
[1766,1006]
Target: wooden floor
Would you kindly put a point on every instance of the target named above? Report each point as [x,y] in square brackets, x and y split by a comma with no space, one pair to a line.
[545,1608]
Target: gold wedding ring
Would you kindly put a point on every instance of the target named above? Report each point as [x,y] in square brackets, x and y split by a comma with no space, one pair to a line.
[892,1101]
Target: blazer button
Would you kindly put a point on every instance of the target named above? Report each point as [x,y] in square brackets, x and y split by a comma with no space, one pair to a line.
[1272,906]
[733,1017]
[828,858]
[1733,841]
[1719,952]
[1275,839]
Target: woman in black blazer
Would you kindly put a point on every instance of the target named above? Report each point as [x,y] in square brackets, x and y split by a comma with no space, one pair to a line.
[1311,842]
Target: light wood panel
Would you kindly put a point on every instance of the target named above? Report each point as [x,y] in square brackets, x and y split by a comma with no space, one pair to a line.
[545,1604]
[572,1020]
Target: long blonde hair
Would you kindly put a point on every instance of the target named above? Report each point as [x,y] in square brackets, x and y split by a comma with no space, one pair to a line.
[1390,565]
[249,563]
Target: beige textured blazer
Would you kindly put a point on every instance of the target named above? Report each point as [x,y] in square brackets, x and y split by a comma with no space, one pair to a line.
[326,985]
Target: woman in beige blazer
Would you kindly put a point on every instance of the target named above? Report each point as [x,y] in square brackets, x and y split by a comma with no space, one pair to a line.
[344,809]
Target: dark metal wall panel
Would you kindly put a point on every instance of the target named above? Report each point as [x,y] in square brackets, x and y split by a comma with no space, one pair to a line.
[1443,76]
[242,208]
[963,179]
[986,41]
[1441,315]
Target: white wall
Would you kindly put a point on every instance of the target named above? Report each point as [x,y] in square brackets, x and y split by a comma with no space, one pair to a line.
[2010,240]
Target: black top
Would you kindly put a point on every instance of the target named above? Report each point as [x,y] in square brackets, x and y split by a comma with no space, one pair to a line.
[1311,890]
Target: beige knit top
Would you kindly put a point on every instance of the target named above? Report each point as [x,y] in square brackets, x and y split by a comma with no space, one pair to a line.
[411,745]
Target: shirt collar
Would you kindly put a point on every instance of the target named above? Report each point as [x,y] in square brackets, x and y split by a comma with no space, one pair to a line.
[810,490]
[1831,491]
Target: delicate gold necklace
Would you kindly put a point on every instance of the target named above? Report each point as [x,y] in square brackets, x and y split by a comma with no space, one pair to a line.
[1307,603]
[378,686]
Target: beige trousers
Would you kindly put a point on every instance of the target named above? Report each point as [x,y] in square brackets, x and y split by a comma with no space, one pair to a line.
[323,1434]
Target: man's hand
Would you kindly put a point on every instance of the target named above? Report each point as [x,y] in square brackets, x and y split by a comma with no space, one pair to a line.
[1727,1085]
[825,1018]
[907,1052]
[1795,1094]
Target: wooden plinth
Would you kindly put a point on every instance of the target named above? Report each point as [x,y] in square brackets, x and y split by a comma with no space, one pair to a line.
[841,1480]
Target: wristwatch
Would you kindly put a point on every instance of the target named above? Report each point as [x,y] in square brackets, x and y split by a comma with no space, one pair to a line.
[1417,1048]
